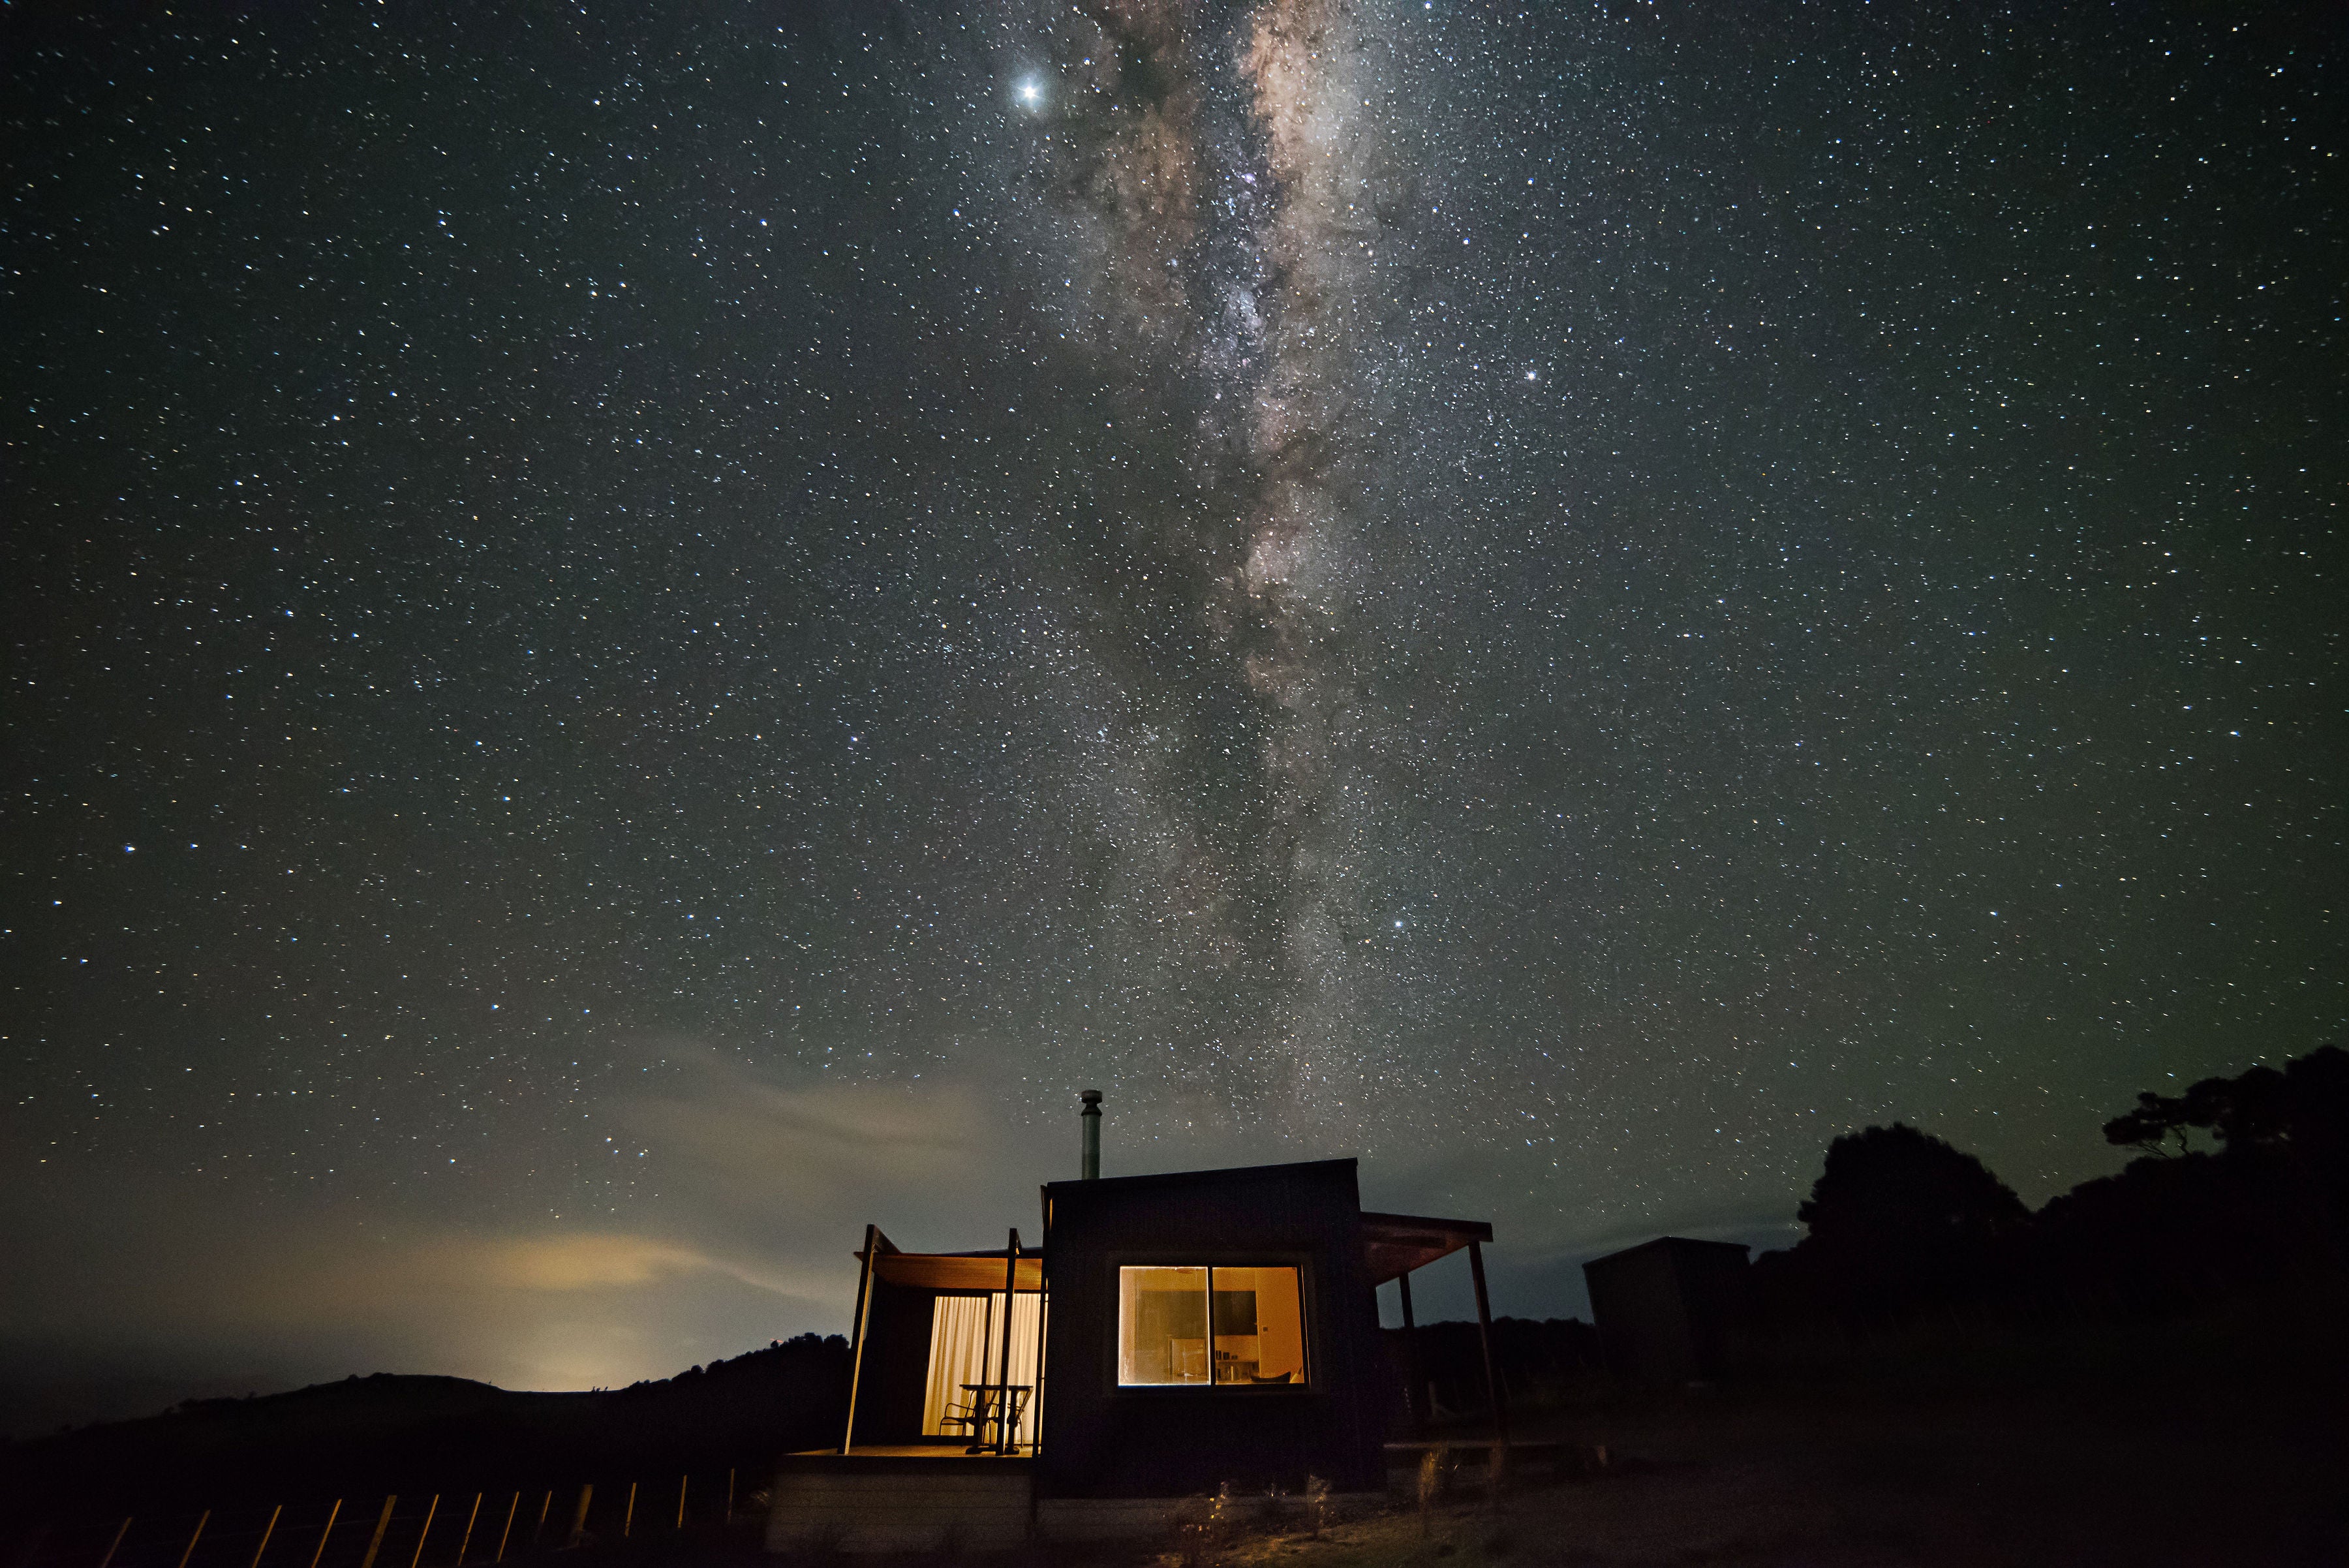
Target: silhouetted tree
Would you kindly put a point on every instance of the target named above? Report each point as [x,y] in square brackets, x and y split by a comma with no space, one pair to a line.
[2271,1206]
[1896,1187]
[1899,1221]
[2304,1108]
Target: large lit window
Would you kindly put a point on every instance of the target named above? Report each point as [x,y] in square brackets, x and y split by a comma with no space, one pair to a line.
[1209,1327]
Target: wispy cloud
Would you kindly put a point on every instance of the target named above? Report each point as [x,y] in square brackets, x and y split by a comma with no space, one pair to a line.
[755,1188]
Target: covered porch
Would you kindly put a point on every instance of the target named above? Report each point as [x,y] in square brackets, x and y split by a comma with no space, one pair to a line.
[944,1346]
[947,1352]
[1396,1246]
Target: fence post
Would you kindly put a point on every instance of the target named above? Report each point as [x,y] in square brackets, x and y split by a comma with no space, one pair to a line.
[332,1514]
[511,1509]
[470,1519]
[202,1519]
[545,1504]
[729,1501]
[112,1546]
[375,1541]
[579,1519]
[629,1515]
[431,1509]
[266,1531]
[682,1482]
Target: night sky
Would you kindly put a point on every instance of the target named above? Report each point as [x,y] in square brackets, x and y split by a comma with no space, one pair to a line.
[639,634]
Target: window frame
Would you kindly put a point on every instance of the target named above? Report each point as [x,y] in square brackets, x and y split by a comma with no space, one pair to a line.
[1308,1311]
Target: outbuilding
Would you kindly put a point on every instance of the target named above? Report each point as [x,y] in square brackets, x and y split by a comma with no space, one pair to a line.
[1672,1309]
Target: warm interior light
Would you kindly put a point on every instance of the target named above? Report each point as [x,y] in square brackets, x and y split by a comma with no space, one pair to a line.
[1202,1327]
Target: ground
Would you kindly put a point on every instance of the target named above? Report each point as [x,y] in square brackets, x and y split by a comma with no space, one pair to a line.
[2219,1442]
[1739,1485]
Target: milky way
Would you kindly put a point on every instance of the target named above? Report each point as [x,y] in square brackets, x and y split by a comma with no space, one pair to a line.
[638,637]
[1232,172]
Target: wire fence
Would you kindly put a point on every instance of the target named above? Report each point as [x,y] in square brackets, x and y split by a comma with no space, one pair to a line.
[443,1530]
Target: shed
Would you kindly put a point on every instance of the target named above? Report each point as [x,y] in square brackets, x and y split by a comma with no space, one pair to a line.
[1671,1309]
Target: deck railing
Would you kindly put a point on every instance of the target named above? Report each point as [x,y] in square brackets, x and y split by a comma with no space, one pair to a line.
[435,1530]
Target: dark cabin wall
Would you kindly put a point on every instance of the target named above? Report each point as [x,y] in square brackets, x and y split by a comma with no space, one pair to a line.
[1100,1441]
[1642,1316]
[1670,1311]
[1715,1283]
[896,1368]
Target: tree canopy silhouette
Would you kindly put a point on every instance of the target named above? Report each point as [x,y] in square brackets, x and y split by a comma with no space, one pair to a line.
[1899,1220]
[2306,1108]
[1893,1187]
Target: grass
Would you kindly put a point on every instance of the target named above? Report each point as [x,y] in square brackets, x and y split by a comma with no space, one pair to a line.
[2219,1441]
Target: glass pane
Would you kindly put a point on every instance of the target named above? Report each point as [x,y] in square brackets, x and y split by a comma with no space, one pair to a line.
[1260,1326]
[1162,1326]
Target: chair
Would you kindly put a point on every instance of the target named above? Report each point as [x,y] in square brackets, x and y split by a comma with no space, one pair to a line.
[970,1417]
[1013,1411]
[988,1406]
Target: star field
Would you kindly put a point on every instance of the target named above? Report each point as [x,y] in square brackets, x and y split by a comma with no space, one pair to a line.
[1574,602]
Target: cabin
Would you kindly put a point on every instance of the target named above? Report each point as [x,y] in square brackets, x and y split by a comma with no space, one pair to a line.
[1164,1336]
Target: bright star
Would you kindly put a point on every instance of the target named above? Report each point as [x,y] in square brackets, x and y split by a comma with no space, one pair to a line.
[1030,93]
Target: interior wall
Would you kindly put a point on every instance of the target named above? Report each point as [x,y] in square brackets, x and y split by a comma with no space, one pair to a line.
[1279,1346]
[897,1363]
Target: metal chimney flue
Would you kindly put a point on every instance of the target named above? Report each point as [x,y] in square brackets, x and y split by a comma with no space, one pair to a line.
[1092,1115]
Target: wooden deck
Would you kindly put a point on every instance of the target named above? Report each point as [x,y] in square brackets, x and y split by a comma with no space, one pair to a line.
[954,1450]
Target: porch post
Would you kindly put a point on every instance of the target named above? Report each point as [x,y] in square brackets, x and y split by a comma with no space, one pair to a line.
[1485,1343]
[1036,1391]
[1043,1326]
[1003,1426]
[1420,1417]
[856,1347]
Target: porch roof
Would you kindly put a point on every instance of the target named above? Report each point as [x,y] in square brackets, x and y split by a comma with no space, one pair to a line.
[954,1271]
[1395,1245]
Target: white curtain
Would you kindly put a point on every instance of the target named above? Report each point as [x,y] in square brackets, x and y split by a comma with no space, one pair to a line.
[967,1346]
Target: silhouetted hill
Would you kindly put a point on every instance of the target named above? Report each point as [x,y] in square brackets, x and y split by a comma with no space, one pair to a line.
[415,1434]
[1536,1360]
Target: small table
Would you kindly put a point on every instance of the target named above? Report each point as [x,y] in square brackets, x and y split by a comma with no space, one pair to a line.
[983,1400]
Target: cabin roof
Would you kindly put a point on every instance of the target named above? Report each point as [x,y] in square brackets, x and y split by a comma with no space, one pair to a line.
[1392,1244]
[1668,1244]
[1200,1178]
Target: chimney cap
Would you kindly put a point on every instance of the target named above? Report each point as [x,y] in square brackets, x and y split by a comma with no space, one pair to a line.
[1090,1096]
